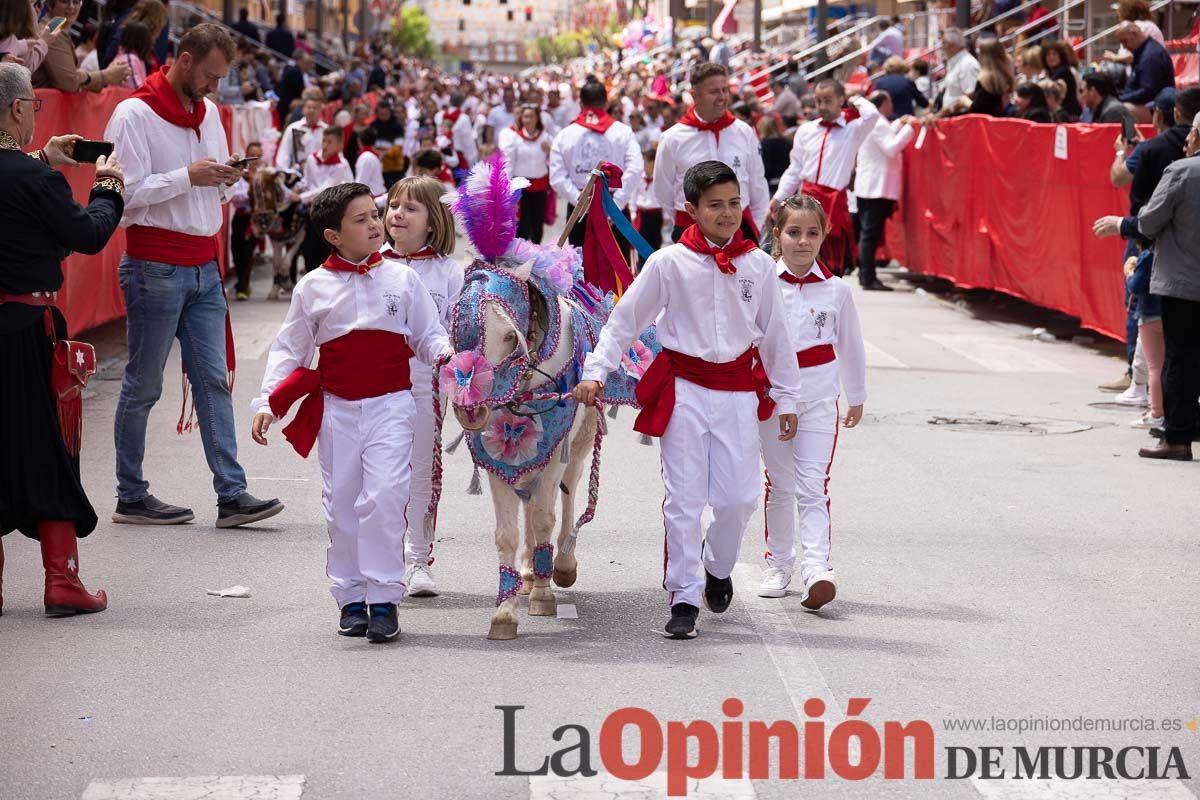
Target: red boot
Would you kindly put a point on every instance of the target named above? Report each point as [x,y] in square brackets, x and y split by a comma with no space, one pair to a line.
[65,594]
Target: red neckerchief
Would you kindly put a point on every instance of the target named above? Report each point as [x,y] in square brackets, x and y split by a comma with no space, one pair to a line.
[597,120]
[787,276]
[370,150]
[849,114]
[418,255]
[716,126]
[739,245]
[336,263]
[521,132]
[316,126]
[452,114]
[157,93]
[327,162]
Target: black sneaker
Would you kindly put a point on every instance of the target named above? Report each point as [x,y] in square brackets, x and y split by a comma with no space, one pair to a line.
[244,509]
[876,286]
[718,593]
[384,626]
[682,624]
[151,511]
[354,620]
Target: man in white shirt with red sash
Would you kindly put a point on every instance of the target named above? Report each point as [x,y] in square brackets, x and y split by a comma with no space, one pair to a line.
[708,132]
[823,155]
[173,146]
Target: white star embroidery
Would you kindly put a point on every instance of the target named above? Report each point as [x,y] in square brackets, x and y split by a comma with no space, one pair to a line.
[79,357]
[71,565]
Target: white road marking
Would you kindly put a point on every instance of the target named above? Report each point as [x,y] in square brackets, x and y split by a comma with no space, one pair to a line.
[199,787]
[606,787]
[1058,789]
[567,611]
[993,355]
[878,357]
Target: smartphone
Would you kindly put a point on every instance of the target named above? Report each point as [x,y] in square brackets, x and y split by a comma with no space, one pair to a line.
[242,162]
[87,151]
[56,23]
[1128,130]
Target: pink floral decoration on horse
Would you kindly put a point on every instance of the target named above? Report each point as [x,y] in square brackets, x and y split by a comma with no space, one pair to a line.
[467,379]
[636,360]
[510,438]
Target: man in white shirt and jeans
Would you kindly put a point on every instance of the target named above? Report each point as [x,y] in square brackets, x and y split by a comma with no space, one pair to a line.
[178,173]
[877,185]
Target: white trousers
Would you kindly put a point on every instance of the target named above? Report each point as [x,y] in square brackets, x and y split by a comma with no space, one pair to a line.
[365,447]
[798,476]
[709,457]
[419,547]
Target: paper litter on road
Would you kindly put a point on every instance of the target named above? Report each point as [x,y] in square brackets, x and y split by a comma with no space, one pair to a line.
[232,591]
[567,611]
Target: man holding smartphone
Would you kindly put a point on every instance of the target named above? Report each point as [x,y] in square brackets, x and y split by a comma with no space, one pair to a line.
[178,175]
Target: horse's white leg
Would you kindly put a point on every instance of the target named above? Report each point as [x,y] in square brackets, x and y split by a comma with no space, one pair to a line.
[505,504]
[539,514]
[565,564]
[527,556]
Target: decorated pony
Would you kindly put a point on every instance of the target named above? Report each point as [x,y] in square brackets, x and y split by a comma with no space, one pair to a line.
[520,330]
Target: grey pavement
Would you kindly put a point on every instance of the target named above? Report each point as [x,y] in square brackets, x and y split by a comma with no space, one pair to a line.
[1016,560]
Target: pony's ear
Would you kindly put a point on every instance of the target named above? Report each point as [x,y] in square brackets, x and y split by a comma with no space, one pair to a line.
[524,271]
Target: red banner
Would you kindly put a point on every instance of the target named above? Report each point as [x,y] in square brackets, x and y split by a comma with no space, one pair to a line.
[91,294]
[988,204]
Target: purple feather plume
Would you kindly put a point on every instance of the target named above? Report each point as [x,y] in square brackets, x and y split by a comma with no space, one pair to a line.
[487,207]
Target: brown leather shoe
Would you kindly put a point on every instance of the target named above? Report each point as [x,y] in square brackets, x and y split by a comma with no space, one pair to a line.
[1171,452]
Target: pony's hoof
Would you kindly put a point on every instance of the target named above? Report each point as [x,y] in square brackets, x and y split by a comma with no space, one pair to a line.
[543,607]
[526,586]
[565,579]
[502,631]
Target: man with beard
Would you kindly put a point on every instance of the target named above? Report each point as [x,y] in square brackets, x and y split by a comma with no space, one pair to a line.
[178,175]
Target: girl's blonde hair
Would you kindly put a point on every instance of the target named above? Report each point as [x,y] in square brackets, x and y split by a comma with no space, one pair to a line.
[794,205]
[428,192]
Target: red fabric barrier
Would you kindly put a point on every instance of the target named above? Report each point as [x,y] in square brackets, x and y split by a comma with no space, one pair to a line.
[987,205]
[91,294]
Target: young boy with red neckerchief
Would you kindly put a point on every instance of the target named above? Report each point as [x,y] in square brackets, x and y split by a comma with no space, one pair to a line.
[367,316]
[324,169]
[716,299]
[708,132]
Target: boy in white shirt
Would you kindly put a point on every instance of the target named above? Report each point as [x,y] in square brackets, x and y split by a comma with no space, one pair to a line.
[324,169]
[368,168]
[302,138]
[368,317]
[720,322]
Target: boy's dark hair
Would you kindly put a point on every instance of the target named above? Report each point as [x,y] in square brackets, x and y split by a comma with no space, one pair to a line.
[428,159]
[368,137]
[593,95]
[334,132]
[330,206]
[704,176]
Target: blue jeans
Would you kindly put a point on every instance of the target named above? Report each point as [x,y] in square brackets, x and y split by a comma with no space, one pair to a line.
[165,302]
[1131,313]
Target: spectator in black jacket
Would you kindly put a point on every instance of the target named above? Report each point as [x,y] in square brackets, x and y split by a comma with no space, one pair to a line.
[1061,63]
[900,88]
[1152,70]
[293,82]
[280,37]
[245,27]
[1101,101]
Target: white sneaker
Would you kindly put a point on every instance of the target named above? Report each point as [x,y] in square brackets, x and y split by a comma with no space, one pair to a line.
[1148,421]
[775,582]
[1135,395]
[419,579]
[820,587]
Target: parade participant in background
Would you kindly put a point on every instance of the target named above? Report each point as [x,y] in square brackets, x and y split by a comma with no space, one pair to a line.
[462,130]
[708,132]
[501,117]
[242,241]
[420,234]
[430,162]
[170,140]
[526,148]
[323,170]
[41,420]
[717,302]
[878,182]
[824,328]
[649,219]
[593,137]
[302,139]
[368,169]
[822,160]
[368,317]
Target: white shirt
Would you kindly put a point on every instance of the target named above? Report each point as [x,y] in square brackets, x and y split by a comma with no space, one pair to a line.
[823,313]
[962,73]
[155,156]
[525,159]
[318,177]
[683,146]
[564,113]
[499,118]
[647,195]
[310,142]
[881,162]
[705,313]
[327,305]
[442,277]
[825,156]
[889,43]
[368,169]
[576,151]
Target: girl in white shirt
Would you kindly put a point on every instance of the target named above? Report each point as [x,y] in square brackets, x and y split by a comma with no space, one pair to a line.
[420,234]
[526,148]
[824,328]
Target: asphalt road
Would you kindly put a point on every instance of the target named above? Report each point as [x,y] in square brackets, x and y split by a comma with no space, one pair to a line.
[1015,561]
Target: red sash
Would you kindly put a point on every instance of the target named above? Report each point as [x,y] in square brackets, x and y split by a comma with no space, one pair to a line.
[841,229]
[361,364]
[816,355]
[169,247]
[656,390]
[541,184]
